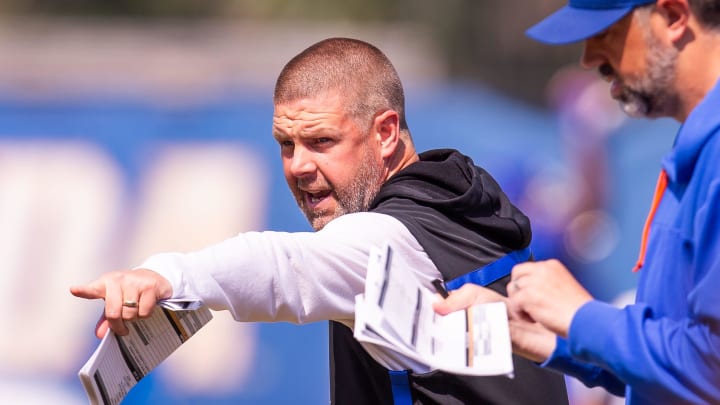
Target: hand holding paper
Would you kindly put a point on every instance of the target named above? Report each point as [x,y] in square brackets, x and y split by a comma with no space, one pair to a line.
[396,312]
[120,362]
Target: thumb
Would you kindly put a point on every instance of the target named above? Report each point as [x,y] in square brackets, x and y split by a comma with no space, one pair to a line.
[464,297]
[102,327]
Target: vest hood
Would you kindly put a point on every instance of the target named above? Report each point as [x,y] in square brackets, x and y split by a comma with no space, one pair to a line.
[451,184]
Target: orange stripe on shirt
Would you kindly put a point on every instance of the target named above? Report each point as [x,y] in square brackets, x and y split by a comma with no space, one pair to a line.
[659,190]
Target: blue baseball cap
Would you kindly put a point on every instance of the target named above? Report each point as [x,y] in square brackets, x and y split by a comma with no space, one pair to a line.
[581,19]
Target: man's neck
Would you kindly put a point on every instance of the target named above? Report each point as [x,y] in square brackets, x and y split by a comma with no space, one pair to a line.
[404,156]
[698,70]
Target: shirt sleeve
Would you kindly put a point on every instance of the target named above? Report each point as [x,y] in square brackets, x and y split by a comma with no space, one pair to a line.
[659,357]
[298,277]
[668,358]
[592,376]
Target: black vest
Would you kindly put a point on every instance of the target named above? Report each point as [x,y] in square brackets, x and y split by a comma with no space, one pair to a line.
[460,233]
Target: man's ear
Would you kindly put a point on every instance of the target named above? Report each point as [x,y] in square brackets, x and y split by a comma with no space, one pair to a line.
[677,16]
[386,127]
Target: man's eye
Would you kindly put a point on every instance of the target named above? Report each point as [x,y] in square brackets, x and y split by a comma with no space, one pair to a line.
[322,140]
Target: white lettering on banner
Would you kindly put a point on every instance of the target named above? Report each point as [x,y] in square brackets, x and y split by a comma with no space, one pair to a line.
[66,218]
[59,203]
[195,195]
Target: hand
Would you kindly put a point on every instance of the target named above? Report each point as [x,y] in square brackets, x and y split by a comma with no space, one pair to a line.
[465,297]
[546,292]
[117,288]
[529,339]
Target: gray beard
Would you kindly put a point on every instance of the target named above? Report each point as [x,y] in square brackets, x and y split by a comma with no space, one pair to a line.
[354,198]
[652,94]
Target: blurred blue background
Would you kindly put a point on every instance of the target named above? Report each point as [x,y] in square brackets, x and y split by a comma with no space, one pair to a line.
[123,135]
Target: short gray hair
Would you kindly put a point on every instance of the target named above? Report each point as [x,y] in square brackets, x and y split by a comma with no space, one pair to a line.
[357,70]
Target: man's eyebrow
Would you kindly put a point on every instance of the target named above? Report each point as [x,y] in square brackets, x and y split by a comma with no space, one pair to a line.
[279,135]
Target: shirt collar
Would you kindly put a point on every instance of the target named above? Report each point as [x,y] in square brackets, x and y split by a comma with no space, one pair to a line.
[700,126]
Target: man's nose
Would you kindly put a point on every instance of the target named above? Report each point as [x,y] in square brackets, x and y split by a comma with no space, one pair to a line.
[302,162]
[592,57]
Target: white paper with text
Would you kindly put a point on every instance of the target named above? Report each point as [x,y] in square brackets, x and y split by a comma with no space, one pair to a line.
[396,312]
[119,362]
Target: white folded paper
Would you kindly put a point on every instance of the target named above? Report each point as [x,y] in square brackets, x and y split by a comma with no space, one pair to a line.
[396,312]
[119,362]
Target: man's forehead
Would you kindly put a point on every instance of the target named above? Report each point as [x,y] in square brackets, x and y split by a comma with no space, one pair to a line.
[289,113]
[321,107]
[301,118]
[325,99]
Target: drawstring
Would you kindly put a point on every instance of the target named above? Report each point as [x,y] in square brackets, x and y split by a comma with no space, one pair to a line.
[659,190]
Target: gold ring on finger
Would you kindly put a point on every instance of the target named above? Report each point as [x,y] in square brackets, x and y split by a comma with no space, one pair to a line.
[130,303]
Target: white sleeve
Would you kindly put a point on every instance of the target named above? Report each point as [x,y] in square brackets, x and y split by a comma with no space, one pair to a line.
[297,277]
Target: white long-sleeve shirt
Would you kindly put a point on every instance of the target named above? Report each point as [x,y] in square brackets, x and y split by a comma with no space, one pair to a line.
[298,277]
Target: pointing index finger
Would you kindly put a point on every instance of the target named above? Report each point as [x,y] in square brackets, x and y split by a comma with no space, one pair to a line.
[91,291]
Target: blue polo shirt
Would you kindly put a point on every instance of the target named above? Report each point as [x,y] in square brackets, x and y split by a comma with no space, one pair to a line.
[665,348]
